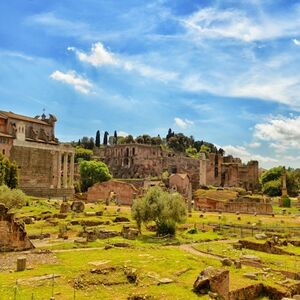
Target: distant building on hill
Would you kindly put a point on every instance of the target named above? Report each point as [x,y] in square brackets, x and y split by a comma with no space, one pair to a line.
[46,167]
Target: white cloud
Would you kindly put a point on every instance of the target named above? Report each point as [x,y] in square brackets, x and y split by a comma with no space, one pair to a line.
[80,84]
[237,24]
[296,42]
[245,155]
[183,123]
[254,145]
[122,133]
[98,56]
[282,132]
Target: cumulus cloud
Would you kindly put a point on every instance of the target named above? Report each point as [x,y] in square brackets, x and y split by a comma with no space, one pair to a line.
[80,84]
[245,155]
[183,123]
[100,56]
[254,145]
[237,24]
[282,132]
[296,42]
[97,57]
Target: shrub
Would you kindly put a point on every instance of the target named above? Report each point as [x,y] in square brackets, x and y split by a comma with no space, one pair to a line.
[12,198]
[286,202]
[8,172]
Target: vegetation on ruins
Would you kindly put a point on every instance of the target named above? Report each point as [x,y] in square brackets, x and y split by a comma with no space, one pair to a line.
[165,209]
[85,142]
[271,181]
[83,154]
[12,198]
[92,172]
[8,172]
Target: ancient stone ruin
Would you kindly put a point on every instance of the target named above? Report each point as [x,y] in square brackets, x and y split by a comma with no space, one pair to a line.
[13,236]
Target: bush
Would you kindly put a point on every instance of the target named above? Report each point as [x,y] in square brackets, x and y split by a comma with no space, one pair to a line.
[12,198]
[286,202]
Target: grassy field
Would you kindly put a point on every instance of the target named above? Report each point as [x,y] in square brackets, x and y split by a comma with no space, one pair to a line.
[153,258]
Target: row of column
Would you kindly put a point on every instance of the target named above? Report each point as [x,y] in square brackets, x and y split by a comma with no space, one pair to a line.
[65,166]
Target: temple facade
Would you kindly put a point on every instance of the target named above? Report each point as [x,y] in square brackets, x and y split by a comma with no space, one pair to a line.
[45,166]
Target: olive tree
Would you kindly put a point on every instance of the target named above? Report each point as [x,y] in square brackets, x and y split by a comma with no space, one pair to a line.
[165,209]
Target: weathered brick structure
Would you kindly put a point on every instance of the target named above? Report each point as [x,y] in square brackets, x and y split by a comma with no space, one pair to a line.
[180,183]
[46,168]
[124,192]
[233,206]
[141,161]
[13,236]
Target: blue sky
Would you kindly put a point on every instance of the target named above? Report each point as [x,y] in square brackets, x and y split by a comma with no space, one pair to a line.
[223,71]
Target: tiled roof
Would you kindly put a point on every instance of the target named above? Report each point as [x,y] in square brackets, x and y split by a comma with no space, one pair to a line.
[22,118]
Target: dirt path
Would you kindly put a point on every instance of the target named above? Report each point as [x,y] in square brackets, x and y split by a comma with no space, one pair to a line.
[190,249]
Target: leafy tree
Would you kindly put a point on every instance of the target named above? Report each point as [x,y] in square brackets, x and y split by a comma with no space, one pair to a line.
[129,139]
[8,172]
[164,208]
[271,181]
[156,140]
[97,140]
[82,154]
[170,134]
[191,151]
[205,148]
[12,198]
[92,172]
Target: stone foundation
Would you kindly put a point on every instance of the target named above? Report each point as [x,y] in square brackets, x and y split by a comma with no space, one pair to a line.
[48,192]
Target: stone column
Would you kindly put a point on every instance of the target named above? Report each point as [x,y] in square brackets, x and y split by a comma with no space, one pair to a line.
[72,170]
[65,178]
[59,170]
[54,171]
[202,170]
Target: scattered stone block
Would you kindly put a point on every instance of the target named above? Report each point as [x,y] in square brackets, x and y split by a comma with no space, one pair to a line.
[226,262]
[78,206]
[165,281]
[131,275]
[21,263]
[65,208]
[237,264]
[119,219]
[261,236]
[252,276]
[90,213]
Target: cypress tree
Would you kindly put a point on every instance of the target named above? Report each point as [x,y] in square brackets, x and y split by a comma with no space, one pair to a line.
[97,140]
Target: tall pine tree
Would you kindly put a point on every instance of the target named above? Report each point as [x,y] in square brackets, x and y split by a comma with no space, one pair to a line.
[105,138]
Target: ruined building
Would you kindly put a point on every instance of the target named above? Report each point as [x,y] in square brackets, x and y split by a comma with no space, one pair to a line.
[45,167]
[13,236]
[142,161]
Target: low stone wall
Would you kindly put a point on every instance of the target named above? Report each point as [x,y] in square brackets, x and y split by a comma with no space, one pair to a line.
[232,207]
[250,292]
[267,247]
[48,192]
[13,236]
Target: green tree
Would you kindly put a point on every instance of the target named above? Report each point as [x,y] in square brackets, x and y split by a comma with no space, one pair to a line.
[82,154]
[8,172]
[97,140]
[115,137]
[105,138]
[92,172]
[191,151]
[165,209]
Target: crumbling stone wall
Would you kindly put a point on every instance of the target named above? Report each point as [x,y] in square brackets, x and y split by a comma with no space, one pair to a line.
[141,161]
[13,236]
[125,192]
